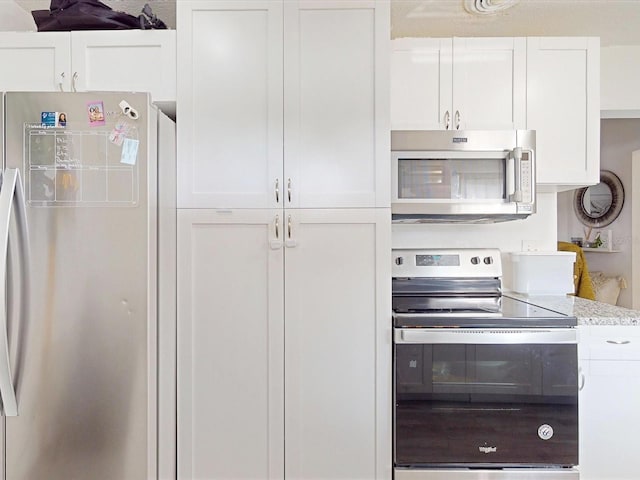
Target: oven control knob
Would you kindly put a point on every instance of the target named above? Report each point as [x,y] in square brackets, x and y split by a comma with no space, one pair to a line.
[488,260]
[475,260]
[399,260]
[545,432]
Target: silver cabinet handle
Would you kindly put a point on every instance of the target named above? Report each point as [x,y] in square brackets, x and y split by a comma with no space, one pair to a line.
[619,342]
[277,190]
[289,189]
[11,190]
[73,81]
[289,227]
[61,82]
[457,120]
[277,225]
[447,120]
[582,380]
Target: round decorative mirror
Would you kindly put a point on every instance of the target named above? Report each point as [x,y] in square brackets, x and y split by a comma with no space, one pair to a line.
[599,205]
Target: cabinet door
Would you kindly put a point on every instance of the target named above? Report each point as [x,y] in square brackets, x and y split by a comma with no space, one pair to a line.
[230,104]
[489,83]
[563,106]
[230,345]
[336,135]
[127,61]
[338,345]
[609,415]
[34,61]
[421,83]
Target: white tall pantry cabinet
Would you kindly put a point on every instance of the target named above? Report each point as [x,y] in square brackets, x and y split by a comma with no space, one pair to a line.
[284,240]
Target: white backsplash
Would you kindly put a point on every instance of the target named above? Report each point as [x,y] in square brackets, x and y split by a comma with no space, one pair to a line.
[537,232]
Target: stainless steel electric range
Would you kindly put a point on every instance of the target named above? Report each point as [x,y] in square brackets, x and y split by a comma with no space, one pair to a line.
[485,386]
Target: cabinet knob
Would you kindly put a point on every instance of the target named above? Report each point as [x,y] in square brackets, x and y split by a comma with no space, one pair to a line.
[457,120]
[289,189]
[277,190]
[447,119]
[60,83]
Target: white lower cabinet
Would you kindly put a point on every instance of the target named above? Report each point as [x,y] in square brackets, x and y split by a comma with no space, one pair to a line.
[284,344]
[609,413]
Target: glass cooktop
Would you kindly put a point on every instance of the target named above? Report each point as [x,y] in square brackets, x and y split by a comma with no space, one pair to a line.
[511,313]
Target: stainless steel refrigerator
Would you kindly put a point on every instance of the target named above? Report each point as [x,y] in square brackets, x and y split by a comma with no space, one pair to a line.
[87,346]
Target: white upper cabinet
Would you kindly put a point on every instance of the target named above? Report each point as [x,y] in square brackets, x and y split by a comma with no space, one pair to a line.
[34,61]
[421,83]
[124,60]
[230,104]
[459,83]
[283,104]
[336,136]
[563,106]
[128,61]
[489,83]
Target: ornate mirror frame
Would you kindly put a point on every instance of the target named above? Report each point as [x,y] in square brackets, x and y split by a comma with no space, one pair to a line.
[612,181]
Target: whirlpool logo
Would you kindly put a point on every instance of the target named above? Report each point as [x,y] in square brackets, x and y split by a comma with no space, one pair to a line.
[486,449]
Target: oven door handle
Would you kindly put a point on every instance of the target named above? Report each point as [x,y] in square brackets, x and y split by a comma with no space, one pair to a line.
[487,336]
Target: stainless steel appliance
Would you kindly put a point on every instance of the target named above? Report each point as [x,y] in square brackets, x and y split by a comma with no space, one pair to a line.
[485,386]
[462,176]
[87,334]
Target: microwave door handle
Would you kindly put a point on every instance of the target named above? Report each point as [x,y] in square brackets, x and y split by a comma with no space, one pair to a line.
[510,177]
[517,158]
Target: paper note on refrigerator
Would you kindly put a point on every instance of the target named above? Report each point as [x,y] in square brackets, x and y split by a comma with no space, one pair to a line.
[129,151]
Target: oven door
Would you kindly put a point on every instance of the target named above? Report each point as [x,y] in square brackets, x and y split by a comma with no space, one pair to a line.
[485,398]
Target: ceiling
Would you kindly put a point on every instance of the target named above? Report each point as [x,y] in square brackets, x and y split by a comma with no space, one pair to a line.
[616,22]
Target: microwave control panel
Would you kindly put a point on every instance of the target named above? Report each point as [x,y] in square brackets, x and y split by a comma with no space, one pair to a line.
[525,176]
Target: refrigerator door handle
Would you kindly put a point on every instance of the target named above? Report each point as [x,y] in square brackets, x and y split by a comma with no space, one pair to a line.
[11,189]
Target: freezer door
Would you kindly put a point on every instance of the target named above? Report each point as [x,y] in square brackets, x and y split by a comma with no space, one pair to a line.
[87,389]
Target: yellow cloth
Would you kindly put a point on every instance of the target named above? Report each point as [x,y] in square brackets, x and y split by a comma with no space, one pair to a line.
[581,278]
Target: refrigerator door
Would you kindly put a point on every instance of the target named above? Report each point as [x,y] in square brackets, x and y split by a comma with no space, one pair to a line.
[87,388]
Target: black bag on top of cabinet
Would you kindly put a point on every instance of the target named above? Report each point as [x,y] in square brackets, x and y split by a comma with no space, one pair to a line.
[67,15]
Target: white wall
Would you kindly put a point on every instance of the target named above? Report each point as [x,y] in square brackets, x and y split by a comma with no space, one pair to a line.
[538,232]
[618,139]
[14,18]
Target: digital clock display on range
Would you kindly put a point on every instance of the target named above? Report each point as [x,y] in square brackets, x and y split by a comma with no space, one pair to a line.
[437,260]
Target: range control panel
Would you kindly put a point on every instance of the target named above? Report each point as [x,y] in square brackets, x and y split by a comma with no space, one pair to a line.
[463,262]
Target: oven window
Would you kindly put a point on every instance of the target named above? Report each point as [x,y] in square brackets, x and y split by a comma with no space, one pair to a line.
[484,404]
[485,371]
[455,179]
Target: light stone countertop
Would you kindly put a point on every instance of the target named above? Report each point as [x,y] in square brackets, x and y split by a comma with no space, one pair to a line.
[588,312]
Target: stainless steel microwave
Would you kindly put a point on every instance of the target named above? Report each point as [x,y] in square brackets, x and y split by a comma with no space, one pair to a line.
[457,176]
